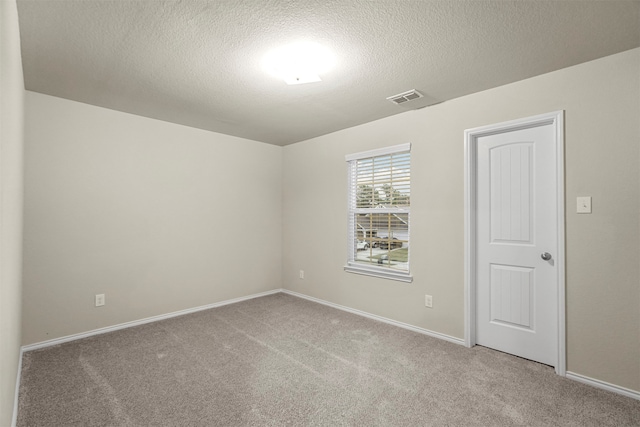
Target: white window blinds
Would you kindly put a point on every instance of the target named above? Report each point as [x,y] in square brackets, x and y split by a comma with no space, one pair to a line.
[379,201]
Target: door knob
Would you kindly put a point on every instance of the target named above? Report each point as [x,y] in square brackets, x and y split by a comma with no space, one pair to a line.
[546,256]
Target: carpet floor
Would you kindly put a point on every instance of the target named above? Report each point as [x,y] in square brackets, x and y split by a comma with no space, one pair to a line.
[282,360]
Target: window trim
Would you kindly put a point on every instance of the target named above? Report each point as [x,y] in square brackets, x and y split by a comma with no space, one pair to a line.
[370,270]
[378,272]
[378,152]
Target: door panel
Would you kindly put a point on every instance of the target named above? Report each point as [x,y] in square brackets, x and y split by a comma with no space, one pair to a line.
[511,296]
[516,207]
[511,191]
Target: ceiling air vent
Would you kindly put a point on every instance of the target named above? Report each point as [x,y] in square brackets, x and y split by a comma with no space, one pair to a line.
[403,97]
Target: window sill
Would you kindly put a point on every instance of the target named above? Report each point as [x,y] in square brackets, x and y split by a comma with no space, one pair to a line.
[383,274]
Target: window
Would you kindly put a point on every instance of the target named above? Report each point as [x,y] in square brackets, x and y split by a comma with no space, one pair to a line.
[379,204]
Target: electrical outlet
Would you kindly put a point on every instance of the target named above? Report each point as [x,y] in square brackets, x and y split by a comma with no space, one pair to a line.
[100,301]
[302,274]
[583,205]
[428,301]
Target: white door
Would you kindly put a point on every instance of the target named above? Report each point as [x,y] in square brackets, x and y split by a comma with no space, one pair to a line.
[517,240]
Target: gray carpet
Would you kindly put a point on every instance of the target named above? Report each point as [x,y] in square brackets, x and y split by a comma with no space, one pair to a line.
[282,360]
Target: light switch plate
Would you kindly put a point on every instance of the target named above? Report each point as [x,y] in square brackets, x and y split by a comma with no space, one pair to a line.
[583,204]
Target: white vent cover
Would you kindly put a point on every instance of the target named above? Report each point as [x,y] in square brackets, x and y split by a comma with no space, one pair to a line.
[405,97]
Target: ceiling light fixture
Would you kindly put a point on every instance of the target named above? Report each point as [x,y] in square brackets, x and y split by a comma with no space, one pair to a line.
[298,63]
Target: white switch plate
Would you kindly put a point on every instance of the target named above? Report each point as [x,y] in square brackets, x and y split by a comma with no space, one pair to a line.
[99,300]
[583,204]
[302,274]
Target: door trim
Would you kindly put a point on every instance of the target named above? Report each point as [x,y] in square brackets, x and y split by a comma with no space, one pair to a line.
[471,136]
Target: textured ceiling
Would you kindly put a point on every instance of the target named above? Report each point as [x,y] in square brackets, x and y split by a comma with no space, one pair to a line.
[198,63]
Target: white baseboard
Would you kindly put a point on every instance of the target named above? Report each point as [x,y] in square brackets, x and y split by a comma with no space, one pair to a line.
[379,318]
[604,385]
[131,324]
[14,419]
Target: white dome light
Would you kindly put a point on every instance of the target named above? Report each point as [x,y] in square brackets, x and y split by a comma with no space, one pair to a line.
[301,62]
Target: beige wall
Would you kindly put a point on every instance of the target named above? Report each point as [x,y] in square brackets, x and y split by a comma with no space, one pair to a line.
[11,144]
[602,130]
[157,216]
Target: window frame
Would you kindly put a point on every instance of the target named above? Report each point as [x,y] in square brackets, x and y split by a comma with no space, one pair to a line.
[353,266]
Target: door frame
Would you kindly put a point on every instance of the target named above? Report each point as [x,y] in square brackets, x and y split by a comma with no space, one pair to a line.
[471,136]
